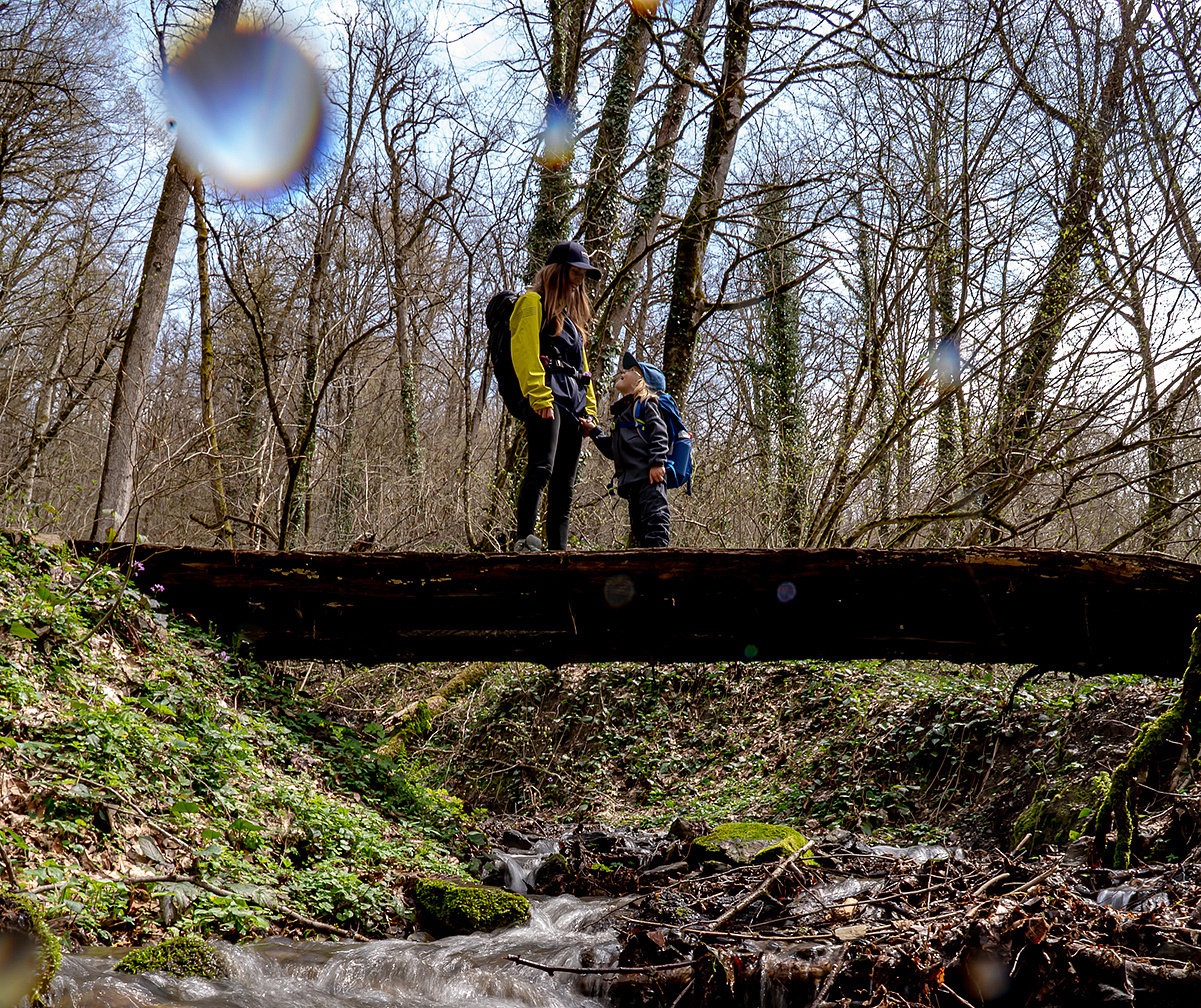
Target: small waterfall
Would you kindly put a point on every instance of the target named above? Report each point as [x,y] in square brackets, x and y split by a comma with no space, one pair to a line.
[451,972]
[521,868]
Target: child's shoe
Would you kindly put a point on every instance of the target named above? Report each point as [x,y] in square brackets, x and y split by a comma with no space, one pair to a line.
[530,544]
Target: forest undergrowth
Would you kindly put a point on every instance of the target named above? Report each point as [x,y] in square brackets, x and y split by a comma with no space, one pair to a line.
[154,782]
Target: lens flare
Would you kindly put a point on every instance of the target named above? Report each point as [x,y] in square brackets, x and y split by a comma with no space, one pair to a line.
[786,592]
[946,366]
[750,651]
[558,140]
[248,107]
[619,590]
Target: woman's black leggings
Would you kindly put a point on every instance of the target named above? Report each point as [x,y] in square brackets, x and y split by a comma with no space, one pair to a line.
[553,457]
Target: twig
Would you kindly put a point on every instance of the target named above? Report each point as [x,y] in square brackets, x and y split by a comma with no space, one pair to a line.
[610,969]
[132,880]
[820,996]
[946,989]
[981,889]
[1033,882]
[8,867]
[748,900]
[687,988]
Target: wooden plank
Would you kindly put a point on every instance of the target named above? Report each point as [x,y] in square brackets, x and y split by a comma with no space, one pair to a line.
[1091,613]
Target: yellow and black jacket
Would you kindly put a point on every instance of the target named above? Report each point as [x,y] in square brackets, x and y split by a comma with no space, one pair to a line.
[549,368]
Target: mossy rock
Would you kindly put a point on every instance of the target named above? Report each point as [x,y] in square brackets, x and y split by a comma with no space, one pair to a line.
[748,843]
[451,908]
[1053,819]
[182,957]
[36,952]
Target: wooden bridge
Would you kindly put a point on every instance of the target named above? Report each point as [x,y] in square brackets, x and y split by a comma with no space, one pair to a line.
[1086,612]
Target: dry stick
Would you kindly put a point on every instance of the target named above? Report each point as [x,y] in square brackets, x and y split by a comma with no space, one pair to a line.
[8,866]
[981,889]
[748,900]
[820,996]
[1033,882]
[611,969]
[278,909]
[687,988]
[943,987]
[130,881]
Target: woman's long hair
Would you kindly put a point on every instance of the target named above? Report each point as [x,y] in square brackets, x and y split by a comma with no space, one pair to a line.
[552,284]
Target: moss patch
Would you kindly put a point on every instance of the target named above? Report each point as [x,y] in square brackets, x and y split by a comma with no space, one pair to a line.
[21,917]
[1054,819]
[181,957]
[449,908]
[748,843]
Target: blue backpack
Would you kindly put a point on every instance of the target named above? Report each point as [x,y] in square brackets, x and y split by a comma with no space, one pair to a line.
[679,442]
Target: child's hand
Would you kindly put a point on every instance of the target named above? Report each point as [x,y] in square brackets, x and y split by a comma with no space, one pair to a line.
[658,474]
[588,424]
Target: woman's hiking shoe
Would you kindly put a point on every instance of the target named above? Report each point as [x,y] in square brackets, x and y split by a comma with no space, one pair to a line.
[530,544]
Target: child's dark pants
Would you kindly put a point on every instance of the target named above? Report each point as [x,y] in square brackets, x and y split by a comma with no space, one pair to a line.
[553,456]
[650,516]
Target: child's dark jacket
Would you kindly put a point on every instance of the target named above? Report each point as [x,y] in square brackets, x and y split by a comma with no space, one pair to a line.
[634,454]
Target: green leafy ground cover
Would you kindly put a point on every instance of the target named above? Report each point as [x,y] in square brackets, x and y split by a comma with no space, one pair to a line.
[133,746]
[904,751]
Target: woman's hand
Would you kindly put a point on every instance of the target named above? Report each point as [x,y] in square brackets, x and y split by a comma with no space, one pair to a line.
[547,412]
[658,474]
[588,424]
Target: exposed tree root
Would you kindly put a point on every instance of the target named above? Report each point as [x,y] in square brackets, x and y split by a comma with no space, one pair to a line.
[1120,805]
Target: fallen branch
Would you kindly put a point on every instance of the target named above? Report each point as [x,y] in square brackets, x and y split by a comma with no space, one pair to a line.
[606,969]
[748,900]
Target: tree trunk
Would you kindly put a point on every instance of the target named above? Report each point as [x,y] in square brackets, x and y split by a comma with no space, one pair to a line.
[115,501]
[555,183]
[725,119]
[113,516]
[600,224]
[1022,396]
[207,367]
[645,227]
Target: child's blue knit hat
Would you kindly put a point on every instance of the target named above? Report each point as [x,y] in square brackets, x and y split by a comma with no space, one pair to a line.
[655,381]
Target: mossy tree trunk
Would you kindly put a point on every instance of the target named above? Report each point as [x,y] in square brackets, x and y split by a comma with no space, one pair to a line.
[600,225]
[784,409]
[725,120]
[645,225]
[1022,395]
[555,185]
[1120,807]
[115,502]
[418,717]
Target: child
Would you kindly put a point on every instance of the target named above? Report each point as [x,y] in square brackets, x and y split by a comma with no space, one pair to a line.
[638,448]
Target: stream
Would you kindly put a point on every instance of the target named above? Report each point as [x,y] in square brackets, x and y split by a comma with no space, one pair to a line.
[459,970]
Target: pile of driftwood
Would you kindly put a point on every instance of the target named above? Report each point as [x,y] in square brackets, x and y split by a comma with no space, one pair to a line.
[847,924]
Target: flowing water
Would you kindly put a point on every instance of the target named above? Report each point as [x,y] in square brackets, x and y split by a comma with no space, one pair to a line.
[457,971]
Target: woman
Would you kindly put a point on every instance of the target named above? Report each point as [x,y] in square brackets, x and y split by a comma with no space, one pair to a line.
[549,328]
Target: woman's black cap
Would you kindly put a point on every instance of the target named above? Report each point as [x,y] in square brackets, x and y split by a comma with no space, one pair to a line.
[569,253]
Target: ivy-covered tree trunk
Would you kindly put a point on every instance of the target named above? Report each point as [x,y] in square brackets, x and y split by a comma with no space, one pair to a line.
[780,313]
[555,185]
[725,120]
[1021,400]
[645,224]
[601,218]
